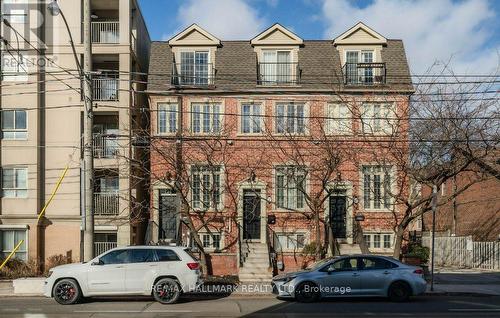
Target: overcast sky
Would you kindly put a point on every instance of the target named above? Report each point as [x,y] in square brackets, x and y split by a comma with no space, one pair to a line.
[433,30]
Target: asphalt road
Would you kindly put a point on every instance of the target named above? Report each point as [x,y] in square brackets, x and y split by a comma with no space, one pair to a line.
[233,306]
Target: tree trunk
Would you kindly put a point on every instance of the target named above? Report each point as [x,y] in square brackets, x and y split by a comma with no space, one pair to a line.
[318,236]
[398,242]
[360,238]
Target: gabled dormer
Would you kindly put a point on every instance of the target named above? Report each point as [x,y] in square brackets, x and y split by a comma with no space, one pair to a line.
[277,50]
[360,50]
[194,52]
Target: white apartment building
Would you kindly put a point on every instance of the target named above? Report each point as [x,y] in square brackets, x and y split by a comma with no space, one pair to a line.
[42,126]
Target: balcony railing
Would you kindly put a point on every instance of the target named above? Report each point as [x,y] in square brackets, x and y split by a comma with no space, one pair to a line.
[105,146]
[364,73]
[286,73]
[101,247]
[107,32]
[186,74]
[105,87]
[106,203]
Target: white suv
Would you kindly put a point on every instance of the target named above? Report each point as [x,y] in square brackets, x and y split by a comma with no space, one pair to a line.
[162,271]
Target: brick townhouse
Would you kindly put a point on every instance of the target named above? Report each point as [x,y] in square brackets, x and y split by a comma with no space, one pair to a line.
[261,147]
[474,212]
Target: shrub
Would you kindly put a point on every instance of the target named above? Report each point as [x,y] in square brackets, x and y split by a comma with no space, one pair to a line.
[16,268]
[55,260]
[419,251]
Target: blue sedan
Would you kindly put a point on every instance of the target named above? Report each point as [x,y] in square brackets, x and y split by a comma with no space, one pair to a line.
[352,276]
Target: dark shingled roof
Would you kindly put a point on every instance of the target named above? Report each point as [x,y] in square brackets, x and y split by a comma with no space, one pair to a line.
[319,64]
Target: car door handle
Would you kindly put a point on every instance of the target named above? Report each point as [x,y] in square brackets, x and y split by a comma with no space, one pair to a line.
[387,272]
[355,274]
[153,265]
[119,267]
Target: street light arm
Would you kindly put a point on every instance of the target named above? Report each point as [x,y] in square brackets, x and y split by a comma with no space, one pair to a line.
[77,60]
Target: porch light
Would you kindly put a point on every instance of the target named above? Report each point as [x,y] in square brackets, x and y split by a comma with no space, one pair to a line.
[54,8]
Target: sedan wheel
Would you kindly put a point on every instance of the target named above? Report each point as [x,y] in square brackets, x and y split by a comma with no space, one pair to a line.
[166,291]
[399,291]
[307,293]
[67,292]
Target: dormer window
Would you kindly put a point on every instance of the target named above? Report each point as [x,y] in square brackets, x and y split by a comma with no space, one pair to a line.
[276,68]
[277,56]
[194,51]
[362,65]
[194,69]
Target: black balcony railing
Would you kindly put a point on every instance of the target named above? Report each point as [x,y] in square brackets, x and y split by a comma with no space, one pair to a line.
[364,73]
[282,73]
[187,74]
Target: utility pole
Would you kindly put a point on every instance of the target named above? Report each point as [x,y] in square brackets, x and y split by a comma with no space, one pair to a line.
[88,159]
[434,203]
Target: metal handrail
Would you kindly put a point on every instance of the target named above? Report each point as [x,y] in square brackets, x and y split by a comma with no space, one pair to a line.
[278,73]
[192,74]
[364,73]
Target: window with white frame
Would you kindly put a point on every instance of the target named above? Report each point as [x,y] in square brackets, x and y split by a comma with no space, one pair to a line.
[378,118]
[276,67]
[251,118]
[338,120]
[15,182]
[14,124]
[290,241]
[377,187]
[195,68]
[290,118]
[356,74]
[290,187]
[14,67]
[206,118]
[167,118]
[211,241]
[206,187]
[9,238]
[379,240]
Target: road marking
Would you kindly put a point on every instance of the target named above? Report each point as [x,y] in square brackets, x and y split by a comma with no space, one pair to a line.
[475,309]
[132,311]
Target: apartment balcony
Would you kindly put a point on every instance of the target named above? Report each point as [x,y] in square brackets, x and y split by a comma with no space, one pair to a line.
[195,75]
[105,147]
[105,87]
[101,247]
[279,74]
[106,32]
[106,203]
[364,74]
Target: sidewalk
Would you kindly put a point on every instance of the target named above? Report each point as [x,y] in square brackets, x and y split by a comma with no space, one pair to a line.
[466,281]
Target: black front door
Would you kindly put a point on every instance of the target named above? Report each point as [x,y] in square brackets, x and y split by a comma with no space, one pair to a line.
[167,215]
[338,215]
[251,214]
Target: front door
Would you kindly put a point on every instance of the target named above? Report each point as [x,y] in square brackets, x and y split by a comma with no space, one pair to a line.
[251,214]
[338,215]
[167,215]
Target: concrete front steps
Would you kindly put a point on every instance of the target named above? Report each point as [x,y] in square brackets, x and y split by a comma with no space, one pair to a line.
[255,267]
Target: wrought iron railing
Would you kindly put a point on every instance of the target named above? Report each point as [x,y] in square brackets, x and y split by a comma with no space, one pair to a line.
[105,87]
[105,146]
[101,247]
[286,73]
[192,74]
[106,203]
[364,73]
[106,32]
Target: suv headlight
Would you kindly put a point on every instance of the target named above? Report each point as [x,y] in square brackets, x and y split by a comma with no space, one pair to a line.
[50,273]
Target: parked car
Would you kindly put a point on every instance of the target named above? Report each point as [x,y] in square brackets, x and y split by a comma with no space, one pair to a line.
[352,276]
[162,271]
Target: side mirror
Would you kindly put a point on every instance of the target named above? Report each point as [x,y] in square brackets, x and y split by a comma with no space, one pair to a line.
[97,262]
[330,270]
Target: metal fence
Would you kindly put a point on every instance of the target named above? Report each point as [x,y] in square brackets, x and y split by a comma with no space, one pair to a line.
[461,251]
[101,247]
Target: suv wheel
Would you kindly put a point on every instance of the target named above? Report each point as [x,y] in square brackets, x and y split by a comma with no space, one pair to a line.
[67,292]
[306,293]
[399,292]
[166,291]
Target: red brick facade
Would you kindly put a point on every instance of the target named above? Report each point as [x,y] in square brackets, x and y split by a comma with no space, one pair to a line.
[254,157]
